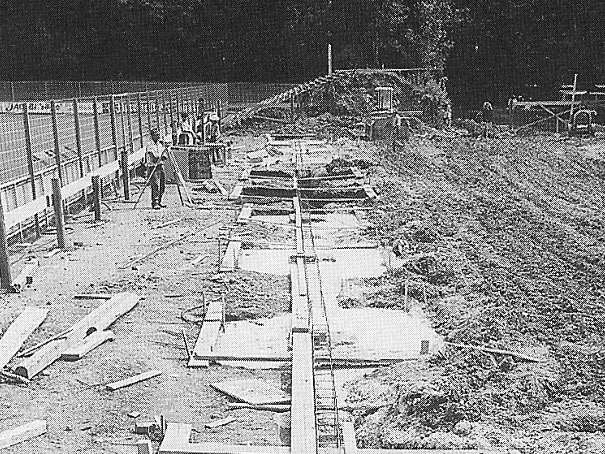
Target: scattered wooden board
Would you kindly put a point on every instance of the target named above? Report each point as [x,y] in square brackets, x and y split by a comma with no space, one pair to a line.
[220,422]
[229,262]
[279,408]
[25,277]
[133,380]
[253,391]
[52,253]
[93,296]
[348,435]
[88,344]
[22,433]
[18,332]
[245,214]
[220,187]
[98,320]
[303,401]
[213,321]
[237,192]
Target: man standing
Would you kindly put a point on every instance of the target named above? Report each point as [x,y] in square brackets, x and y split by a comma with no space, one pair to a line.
[155,157]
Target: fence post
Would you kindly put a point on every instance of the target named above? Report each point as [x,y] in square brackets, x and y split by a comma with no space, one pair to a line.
[124,156]
[58,206]
[114,132]
[12,91]
[292,107]
[169,95]
[96,196]
[30,162]
[129,114]
[140,116]
[78,137]
[164,112]
[157,110]
[148,110]
[95,108]
[6,280]
[53,110]
[176,98]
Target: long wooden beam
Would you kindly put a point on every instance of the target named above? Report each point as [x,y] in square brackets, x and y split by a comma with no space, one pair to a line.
[213,321]
[176,441]
[98,320]
[17,333]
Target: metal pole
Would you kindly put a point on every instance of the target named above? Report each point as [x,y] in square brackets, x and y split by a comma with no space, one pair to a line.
[114,132]
[140,114]
[53,110]
[95,108]
[96,196]
[58,206]
[30,162]
[78,137]
[6,280]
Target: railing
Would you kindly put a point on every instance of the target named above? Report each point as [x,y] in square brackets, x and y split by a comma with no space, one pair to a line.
[73,138]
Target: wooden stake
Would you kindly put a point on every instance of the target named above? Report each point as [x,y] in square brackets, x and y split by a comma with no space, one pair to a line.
[58,206]
[96,196]
[6,280]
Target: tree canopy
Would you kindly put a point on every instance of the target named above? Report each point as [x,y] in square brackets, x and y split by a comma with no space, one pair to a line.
[488,49]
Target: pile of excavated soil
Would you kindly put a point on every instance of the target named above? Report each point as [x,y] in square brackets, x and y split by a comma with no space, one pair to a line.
[514,229]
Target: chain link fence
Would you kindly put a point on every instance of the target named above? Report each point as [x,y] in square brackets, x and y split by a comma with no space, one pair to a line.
[72,138]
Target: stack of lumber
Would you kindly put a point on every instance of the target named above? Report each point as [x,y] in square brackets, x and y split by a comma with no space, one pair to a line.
[82,337]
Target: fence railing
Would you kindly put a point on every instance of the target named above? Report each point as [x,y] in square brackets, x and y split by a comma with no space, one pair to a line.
[75,138]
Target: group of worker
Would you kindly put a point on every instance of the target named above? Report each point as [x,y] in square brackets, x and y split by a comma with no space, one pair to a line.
[184,133]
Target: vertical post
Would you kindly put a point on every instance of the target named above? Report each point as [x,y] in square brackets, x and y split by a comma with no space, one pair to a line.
[148,111]
[178,111]
[164,113]
[140,115]
[12,91]
[130,133]
[219,110]
[58,206]
[157,111]
[169,93]
[329,59]
[30,162]
[114,132]
[124,157]
[78,137]
[6,280]
[53,110]
[95,108]
[96,196]
[573,99]
[292,107]
[203,123]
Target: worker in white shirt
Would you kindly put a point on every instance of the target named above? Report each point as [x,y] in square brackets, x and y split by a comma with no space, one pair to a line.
[155,157]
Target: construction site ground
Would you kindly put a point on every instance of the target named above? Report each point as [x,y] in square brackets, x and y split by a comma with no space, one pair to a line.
[505,251]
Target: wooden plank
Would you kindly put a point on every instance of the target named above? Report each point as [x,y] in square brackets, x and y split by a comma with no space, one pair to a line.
[98,320]
[18,332]
[252,391]
[22,433]
[278,408]
[348,435]
[220,187]
[370,191]
[237,192]
[133,380]
[26,275]
[497,351]
[303,402]
[300,305]
[220,422]
[213,321]
[245,214]
[89,343]
[93,296]
[229,262]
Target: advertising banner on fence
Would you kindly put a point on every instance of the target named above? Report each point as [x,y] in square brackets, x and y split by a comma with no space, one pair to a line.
[84,107]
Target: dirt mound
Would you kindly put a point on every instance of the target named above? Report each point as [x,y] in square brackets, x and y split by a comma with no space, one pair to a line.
[517,227]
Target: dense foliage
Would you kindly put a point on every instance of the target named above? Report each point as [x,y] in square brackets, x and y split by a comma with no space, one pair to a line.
[495,48]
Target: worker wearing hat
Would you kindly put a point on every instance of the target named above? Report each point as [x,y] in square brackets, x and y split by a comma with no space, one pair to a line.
[155,157]
[214,129]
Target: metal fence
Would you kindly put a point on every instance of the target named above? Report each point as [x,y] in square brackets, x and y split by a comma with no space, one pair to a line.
[72,138]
